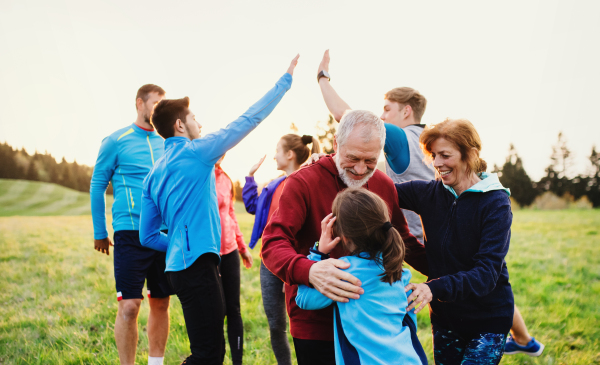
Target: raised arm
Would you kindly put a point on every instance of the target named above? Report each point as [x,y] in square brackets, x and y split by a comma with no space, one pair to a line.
[250,190]
[210,148]
[336,105]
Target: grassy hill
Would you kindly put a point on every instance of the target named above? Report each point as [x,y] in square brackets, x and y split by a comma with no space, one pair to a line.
[34,198]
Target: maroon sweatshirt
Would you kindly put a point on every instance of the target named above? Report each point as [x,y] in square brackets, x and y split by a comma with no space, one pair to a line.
[296,226]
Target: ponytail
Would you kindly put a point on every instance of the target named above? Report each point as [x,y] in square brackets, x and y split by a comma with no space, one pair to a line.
[299,145]
[363,219]
[392,253]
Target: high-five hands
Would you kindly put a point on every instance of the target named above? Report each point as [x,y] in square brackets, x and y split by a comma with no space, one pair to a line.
[103,245]
[324,66]
[293,65]
[256,166]
[326,243]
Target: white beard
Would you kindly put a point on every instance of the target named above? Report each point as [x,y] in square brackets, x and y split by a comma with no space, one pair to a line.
[350,182]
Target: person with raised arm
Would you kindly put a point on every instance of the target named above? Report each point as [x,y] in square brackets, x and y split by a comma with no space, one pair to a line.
[180,191]
[403,108]
[296,225]
[291,152]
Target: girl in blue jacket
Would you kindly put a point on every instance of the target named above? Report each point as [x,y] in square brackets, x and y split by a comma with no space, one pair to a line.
[377,328]
[466,217]
[292,151]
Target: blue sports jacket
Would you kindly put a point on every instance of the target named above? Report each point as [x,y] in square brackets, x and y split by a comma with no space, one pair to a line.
[180,189]
[373,329]
[259,204]
[125,158]
[466,238]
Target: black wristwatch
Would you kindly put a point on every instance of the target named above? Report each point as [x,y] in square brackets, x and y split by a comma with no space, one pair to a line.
[323,73]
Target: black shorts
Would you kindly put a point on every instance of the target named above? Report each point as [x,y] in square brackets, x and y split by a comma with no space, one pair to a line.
[135,264]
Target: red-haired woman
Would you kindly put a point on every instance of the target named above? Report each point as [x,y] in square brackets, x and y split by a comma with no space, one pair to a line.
[232,247]
[466,218]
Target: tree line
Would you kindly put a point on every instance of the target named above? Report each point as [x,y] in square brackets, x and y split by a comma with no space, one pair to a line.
[18,164]
[557,181]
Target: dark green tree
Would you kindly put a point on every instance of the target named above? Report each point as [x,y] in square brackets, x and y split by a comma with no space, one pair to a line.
[514,177]
[556,179]
[593,183]
[32,172]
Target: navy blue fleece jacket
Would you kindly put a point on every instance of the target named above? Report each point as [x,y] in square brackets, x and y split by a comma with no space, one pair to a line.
[466,240]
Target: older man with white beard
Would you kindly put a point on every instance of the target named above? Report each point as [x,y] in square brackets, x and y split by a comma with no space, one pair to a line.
[296,226]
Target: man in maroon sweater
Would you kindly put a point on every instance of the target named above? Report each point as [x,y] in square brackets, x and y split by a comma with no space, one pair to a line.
[296,226]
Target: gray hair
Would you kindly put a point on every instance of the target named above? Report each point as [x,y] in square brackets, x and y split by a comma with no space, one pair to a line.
[371,125]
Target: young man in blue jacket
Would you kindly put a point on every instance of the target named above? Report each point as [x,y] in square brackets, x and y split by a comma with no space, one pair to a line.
[125,158]
[180,190]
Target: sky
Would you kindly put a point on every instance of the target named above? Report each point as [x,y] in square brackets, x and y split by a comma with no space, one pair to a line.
[520,71]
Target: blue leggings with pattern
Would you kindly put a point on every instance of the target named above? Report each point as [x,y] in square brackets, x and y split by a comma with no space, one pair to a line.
[450,348]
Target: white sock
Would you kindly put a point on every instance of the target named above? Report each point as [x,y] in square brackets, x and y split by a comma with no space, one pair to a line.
[155,360]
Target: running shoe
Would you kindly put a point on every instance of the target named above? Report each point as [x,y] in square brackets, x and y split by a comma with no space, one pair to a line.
[533,348]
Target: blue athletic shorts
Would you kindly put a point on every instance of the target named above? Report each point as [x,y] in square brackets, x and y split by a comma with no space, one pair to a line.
[135,264]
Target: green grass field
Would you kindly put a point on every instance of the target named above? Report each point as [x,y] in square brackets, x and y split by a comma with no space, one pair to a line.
[58,304]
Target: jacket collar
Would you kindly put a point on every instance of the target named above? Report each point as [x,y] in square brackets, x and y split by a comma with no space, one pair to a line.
[489,182]
[137,129]
[172,141]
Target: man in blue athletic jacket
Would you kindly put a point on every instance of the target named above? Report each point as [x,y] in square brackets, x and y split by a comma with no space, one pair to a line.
[125,158]
[180,190]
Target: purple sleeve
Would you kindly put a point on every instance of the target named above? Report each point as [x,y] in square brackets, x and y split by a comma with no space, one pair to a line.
[250,195]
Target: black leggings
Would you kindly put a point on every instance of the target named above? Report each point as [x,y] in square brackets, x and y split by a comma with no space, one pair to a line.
[230,277]
[201,295]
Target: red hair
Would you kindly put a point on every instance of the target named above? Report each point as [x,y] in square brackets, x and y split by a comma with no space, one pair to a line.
[463,135]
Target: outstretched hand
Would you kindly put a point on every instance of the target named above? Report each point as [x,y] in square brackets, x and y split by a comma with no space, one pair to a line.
[324,66]
[326,243]
[256,166]
[420,296]
[293,65]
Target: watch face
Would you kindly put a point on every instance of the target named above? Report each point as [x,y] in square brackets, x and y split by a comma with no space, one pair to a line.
[326,74]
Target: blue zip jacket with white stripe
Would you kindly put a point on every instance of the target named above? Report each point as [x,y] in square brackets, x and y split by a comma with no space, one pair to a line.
[180,189]
[125,158]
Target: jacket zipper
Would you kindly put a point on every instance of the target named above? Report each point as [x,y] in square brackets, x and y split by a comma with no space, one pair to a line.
[187,238]
[150,145]
[182,253]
